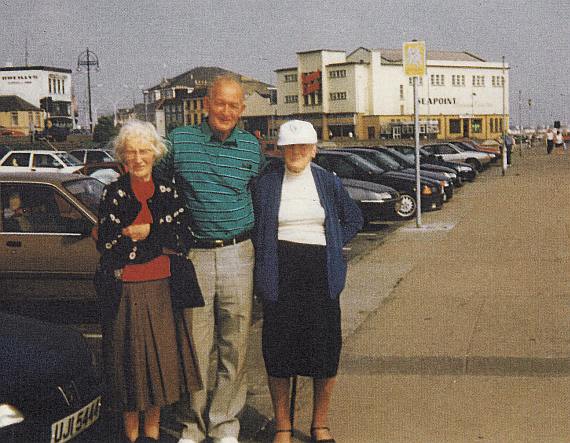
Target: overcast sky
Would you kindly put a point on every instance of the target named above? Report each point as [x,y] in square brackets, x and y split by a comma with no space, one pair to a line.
[139,42]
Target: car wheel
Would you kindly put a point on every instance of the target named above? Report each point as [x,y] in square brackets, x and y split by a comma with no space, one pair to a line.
[407,207]
[476,164]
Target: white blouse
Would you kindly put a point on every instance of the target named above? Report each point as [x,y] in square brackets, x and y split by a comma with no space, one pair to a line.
[301,216]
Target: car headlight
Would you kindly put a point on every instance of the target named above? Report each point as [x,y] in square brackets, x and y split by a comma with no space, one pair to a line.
[366,196]
[9,415]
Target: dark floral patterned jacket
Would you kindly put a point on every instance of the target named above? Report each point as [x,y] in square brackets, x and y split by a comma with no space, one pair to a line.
[119,208]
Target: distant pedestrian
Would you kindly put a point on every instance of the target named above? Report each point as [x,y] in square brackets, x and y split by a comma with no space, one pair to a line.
[303,218]
[549,140]
[509,141]
[559,140]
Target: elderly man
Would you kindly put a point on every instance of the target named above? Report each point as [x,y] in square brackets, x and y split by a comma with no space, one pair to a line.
[214,164]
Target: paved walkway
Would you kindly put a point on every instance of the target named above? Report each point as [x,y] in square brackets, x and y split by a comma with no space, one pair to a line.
[458,332]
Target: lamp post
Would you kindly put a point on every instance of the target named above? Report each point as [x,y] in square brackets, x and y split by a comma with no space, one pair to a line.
[562,96]
[88,58]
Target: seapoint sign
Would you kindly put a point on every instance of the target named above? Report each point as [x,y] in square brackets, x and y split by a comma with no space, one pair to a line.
[436,101]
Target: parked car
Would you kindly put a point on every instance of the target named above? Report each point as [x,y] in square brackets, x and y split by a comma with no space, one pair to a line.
[407,162]
[450,152]
[49,389]
[86,156]
[105,172]
[39,160]
[465,171]
[386,162]
[47,255]
[12,132]
[377,202]
[347,165]
[469,145]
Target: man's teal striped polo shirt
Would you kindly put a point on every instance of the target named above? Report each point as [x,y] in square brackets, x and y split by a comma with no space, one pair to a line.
[216,177]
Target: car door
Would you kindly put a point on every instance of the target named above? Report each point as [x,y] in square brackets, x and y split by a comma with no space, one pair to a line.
[48,255]
[16,161]
[46,163]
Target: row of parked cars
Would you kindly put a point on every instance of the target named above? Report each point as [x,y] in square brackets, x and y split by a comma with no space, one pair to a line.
[382,180]
[49,389]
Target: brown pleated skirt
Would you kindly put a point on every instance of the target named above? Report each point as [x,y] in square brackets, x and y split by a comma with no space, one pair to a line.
[153,359]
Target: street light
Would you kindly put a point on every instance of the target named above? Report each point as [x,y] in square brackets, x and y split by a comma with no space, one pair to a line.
[563,110]
[88,58]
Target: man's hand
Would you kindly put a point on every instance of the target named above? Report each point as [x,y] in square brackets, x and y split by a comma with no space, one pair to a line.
[137,232]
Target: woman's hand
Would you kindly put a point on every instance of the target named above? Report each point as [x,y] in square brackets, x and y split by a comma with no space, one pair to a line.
[137,232]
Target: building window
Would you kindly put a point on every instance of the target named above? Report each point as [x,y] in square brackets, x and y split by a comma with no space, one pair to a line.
[291,99]
[492,125]
[476,125]
[401,109]
[479,80]
[497,81]
[337,95]
[458,80]
[63,86]
[401,92]
[38,119]
[420,81]
[49,85]
[290,78]
[437,80]
[14,118]
[339,73]
[454,126]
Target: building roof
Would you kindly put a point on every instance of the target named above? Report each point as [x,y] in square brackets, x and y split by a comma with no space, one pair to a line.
[320,50]
[35,68]
[201,76]
[9,103]
[395,56]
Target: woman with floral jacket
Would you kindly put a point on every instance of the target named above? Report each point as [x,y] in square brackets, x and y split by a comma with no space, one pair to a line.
[141,220]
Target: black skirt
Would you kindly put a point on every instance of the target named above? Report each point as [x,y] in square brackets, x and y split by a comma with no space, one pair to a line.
[301,331]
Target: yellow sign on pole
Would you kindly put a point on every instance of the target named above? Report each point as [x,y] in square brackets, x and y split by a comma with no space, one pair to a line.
[414,59]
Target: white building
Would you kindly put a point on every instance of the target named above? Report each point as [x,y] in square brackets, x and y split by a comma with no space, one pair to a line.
[365,94]
[44,87]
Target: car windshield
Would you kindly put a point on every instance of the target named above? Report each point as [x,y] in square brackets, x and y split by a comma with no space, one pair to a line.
[365,164]
[88,191]
[68,159]
[387,162]
[403,159]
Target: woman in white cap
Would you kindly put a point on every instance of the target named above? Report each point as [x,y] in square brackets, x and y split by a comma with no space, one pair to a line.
[303,218]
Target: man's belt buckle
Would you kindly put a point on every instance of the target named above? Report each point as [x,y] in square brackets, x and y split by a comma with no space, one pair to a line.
[218,243]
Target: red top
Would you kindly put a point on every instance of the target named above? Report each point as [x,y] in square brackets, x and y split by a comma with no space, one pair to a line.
[159,267]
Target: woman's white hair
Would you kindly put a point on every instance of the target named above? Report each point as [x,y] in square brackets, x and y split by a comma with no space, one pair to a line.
[137,129]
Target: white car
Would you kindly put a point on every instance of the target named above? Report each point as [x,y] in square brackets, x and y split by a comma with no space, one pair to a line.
[40,160]
[92,155]
[452,153]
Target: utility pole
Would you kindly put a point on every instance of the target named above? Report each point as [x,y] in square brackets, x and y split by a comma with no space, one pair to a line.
[520,123]
[504,123]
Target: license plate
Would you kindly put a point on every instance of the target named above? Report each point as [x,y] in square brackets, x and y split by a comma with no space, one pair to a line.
[74,424]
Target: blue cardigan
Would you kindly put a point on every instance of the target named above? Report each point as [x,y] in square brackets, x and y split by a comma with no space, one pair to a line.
[342,221]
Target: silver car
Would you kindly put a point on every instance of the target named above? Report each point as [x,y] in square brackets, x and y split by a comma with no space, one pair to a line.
[451,153]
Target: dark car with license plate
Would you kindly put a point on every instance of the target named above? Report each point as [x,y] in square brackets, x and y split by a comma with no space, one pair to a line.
[49,389]
[348,165]
[47,256]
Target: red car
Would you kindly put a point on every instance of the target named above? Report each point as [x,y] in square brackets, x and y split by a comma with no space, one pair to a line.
[12,132]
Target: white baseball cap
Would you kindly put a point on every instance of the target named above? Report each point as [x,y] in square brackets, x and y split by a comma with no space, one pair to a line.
[297,132]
